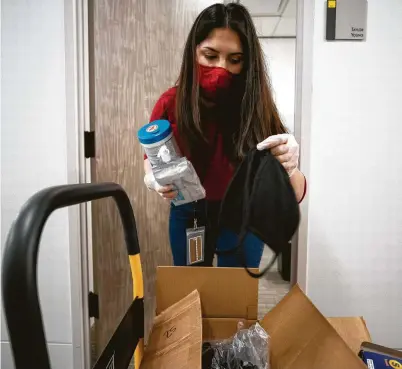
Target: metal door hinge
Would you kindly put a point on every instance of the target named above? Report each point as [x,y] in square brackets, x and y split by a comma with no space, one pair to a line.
[93,305]
[89,144]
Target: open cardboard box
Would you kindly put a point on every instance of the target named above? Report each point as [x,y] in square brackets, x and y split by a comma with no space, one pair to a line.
[203,304]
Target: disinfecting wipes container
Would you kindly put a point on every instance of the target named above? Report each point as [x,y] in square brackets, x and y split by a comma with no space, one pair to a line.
[158,142]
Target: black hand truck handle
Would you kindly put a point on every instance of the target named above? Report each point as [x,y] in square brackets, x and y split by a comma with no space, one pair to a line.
[19,267]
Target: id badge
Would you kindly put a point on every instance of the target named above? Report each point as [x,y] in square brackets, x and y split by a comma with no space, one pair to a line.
[195,245]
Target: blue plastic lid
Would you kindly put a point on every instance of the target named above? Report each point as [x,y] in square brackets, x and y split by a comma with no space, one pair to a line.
[154,132]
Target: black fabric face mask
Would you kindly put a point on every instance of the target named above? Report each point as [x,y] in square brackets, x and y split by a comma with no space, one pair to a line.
[260,199]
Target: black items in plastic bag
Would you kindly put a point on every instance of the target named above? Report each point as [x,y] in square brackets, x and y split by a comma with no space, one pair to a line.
[207,355]
[248,349]
[260,199]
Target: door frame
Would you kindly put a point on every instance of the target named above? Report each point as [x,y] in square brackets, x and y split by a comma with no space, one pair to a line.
[77,122]
[303,100]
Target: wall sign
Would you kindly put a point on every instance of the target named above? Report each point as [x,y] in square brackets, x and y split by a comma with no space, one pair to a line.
[346,20]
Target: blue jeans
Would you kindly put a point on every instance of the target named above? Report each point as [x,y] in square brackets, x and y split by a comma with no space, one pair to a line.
[207,213]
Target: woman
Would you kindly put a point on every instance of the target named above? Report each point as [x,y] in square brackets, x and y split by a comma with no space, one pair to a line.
[222,107]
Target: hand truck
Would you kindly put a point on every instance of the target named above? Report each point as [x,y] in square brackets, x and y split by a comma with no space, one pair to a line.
[19,279]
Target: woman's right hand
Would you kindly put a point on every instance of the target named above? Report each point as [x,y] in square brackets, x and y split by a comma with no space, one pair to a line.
[166,192]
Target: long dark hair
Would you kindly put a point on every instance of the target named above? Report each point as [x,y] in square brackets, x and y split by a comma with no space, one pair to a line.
[258,117]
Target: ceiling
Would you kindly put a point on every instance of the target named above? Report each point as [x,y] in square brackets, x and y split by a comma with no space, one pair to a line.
[273,18]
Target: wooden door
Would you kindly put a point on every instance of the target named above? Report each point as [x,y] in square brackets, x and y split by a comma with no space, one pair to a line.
[135,54]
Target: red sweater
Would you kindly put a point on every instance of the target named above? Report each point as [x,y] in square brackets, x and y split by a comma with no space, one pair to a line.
[219,170]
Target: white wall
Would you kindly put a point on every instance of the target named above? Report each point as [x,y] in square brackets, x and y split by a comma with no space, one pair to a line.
[280,57]
[34,152]
[355,175]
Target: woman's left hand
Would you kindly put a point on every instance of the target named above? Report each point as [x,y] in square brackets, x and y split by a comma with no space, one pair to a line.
[285,148]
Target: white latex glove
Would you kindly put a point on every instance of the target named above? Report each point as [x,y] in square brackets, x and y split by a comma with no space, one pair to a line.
[166,192]
[285,148]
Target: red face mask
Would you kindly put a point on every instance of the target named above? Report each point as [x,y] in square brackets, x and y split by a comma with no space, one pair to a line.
[214,81]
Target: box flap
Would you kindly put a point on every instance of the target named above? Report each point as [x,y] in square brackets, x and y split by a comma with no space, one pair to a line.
[353,331]
[302,338]
[176,337]
[224,292]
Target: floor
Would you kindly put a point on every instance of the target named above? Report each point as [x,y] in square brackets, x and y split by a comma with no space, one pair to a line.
[272,287]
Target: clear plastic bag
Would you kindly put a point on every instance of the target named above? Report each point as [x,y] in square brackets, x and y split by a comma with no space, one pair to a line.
[249,348]
[183,177]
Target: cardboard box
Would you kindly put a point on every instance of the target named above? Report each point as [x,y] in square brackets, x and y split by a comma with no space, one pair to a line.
[196,304]
[379,357]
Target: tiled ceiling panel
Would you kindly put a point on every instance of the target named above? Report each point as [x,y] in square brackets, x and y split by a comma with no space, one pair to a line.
[286,28]
[290,10]
[273,18]
[265,26]
[263,7]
